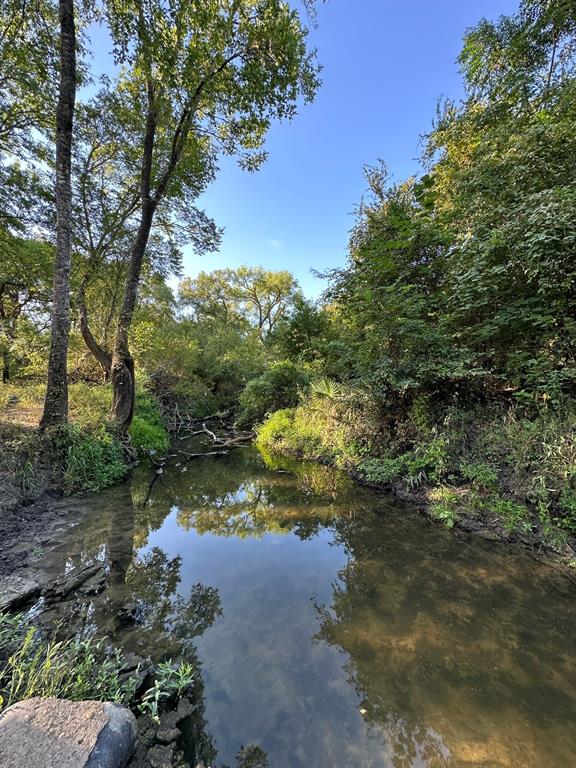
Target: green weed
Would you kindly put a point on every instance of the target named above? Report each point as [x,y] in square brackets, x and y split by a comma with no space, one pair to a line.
[69,669]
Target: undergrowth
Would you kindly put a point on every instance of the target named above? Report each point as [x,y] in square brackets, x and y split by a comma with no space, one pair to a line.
[82,456]
[508,463]
[32,665]
[68,669]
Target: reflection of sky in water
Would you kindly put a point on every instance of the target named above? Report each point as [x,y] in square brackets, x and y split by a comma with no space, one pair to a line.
[342,631]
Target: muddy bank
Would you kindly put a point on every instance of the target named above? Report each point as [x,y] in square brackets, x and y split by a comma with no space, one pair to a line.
[26,526]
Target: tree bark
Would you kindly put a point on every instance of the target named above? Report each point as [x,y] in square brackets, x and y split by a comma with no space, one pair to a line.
[100,353]
[56,403]
[122,369]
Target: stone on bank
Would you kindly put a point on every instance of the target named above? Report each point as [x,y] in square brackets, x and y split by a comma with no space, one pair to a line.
[56,733]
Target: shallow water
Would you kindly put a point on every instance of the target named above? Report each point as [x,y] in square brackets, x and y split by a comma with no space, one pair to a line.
[334,627]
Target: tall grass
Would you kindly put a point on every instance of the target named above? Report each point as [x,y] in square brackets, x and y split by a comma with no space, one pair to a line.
[68,669]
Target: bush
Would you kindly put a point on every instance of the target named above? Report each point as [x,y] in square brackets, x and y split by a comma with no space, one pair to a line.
[276,428]
[383,471]
[93,459]
[147,431]
[278,387]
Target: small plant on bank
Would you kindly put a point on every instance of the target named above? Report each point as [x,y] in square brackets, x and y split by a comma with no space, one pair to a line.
[481,476]
[382,471]
[444,505]
[514,517]
[172,680]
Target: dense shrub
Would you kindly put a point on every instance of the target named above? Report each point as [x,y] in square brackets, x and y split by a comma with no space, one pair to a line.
[278,387]
[94,459]
[147,432]
[511,463]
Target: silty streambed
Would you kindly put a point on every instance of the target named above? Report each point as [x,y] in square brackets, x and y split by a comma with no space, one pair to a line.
[334,627]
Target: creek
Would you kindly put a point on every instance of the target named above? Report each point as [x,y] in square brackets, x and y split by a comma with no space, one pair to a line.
[333,626]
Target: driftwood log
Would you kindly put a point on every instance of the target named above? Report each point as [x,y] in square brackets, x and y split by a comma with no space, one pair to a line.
[237,441]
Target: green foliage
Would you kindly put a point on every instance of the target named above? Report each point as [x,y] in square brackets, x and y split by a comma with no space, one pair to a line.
[68,669]
[280,386]
[514,517]
[445,504]
[148,437]
[482,476]
[94,459]
[275,429]
[382,471]
[567,506]
[147,432]
[172,680]
[247,296]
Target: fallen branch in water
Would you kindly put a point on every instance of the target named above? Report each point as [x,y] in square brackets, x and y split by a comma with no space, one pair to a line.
[190,456]
[228,442]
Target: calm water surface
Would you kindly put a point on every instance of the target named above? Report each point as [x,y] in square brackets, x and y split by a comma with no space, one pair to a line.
[333,627]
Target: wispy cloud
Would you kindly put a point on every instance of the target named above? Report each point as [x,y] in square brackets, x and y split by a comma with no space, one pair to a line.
[275,244]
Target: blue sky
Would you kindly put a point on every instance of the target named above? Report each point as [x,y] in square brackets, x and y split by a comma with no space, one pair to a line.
[386,62]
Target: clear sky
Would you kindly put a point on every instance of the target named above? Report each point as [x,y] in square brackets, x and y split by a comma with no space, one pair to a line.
[386,62]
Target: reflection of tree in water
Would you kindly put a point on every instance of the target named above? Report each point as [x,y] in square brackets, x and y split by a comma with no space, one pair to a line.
[251,756]
[454,655]
[242,498]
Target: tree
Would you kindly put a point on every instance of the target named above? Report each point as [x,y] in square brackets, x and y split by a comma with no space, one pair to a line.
[268,295]
[56,403]
[211,296]
[25,287]
[106,167]
[251,295]
[207,76]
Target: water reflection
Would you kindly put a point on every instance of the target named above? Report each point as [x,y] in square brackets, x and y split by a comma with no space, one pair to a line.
[332,627]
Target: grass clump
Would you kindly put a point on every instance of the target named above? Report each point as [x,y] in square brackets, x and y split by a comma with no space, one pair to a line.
[74,669]
[94,459]
[68,669]
[147,432]
[445,504]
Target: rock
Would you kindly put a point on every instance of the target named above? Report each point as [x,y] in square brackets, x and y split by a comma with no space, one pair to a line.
[161,756]
[51,733]
[185,708]
[116,741]
[167,735]
[170,720]
[146,731]
[94,585]
[139,668]
[133,660]
[73,580]
[15,590]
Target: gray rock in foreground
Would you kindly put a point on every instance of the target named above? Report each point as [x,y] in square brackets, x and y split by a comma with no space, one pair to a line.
[15,590]
[53,733]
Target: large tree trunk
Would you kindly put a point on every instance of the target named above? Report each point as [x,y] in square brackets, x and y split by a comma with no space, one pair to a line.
[56,403]
[100,353]
[122,373]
